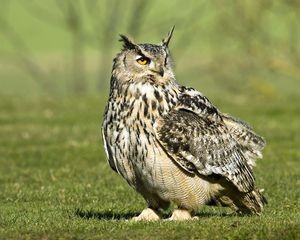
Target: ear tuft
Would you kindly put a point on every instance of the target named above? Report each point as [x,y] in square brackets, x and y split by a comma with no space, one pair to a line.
[166,40]
[127,42]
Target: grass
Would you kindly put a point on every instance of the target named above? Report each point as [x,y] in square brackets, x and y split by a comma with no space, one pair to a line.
[54,178]
[55,182]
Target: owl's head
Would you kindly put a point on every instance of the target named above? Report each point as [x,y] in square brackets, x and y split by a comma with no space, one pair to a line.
[144,62]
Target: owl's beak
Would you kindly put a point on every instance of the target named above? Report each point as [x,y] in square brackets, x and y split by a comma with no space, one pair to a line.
[159,70]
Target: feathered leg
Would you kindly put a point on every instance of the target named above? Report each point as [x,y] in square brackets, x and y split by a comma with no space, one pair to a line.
[148,214]
[181,215]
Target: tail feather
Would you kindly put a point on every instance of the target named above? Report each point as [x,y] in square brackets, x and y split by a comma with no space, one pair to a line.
[252,203]
[244,203]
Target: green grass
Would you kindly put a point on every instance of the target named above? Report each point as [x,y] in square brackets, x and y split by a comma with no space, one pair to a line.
[55,182]
[54,178]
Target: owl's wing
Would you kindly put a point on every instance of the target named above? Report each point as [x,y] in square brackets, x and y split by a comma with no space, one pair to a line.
[110,159]
[251,143]
[195,136]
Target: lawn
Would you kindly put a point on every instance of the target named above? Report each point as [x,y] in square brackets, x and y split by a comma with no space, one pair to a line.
[55,181]
[54,178]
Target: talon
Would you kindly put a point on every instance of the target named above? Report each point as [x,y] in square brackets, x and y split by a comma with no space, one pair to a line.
[147,214]
[180,215]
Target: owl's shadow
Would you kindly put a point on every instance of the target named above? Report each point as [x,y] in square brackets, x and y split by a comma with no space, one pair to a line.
[105,215]
[108,215]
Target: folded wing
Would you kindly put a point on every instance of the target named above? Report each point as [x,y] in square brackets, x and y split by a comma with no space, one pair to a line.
[196,137]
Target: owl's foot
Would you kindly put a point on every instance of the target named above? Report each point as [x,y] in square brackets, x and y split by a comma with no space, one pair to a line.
[181,215]
[148,214]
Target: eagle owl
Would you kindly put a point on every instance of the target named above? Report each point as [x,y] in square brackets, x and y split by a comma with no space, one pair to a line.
[170,143]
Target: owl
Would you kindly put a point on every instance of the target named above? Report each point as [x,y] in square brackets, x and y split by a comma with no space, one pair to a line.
[171,144]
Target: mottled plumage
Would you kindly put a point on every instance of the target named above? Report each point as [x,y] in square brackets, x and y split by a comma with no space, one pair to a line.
[170,143]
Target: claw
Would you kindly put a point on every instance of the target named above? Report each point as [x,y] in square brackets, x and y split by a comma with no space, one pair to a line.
[147,214]
[181,215]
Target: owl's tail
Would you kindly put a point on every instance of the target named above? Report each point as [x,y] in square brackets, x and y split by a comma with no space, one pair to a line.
[244,203]
[251,203]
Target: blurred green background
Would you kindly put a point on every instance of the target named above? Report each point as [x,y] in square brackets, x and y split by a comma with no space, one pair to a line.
[55,64]
[249,48]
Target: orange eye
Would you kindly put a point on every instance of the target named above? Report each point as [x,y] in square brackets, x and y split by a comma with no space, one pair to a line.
[143,60]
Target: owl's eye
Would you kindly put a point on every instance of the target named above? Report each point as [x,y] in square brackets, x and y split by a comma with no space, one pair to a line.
[143,60]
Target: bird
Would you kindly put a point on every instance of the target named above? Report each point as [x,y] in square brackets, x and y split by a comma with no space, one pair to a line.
[171,144]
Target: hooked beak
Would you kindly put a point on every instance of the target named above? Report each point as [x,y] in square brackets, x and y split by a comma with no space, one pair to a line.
[159,70]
